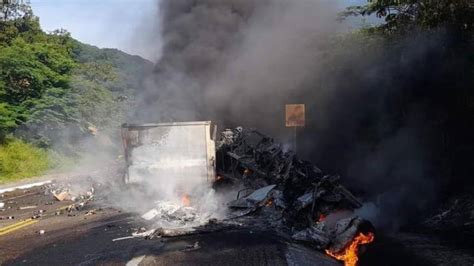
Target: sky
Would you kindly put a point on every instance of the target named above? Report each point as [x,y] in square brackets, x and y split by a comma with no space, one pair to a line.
[122,24]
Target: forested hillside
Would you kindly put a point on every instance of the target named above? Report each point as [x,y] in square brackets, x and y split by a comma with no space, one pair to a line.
[56,91]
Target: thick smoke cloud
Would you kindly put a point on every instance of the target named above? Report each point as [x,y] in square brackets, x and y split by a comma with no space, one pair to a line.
[239,62]
[197,38]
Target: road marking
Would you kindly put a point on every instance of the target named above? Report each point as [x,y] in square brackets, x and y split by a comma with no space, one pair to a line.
[21,196]
[135,261]
[37,184]
[13,227]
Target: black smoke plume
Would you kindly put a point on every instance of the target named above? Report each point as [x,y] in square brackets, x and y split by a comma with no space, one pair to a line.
[379,110]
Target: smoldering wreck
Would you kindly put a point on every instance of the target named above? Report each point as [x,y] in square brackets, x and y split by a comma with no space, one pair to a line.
[267,187]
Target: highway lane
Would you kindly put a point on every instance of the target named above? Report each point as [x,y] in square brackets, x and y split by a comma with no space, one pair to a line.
[58,237]
[86,237]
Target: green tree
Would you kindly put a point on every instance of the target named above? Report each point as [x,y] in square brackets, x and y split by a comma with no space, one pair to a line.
[16,17]
[12,10]
[96,104]
[403,15]
[27,70]
[9,119]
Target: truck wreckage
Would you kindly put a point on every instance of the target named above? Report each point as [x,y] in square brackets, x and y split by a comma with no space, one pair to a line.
[275,190]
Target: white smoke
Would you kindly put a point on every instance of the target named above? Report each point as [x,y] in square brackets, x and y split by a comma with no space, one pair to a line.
[172,164]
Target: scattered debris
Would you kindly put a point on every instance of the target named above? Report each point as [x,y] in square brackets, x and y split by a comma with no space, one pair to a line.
[2,205]
[315,234]
[62,196]
[63,192]
[150,214]
[168,214]
[252,200]
[144,234]
[195,246]
[334,238]
[171,232]
[91,212]
[41,232]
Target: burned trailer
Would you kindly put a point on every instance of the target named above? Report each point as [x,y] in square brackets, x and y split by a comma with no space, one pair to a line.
[275,189]
[256,160]
[178,150]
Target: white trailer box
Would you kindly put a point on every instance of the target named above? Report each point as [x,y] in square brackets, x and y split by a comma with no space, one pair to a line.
[180,152]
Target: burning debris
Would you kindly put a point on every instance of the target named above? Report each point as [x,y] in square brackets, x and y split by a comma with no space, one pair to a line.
[276,191]
[301,193]
[171,215]
[350,254]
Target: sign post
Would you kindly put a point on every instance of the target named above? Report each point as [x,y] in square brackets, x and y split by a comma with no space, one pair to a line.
[295,117]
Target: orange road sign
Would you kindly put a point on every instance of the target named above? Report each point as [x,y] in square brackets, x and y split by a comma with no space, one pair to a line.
[294,115]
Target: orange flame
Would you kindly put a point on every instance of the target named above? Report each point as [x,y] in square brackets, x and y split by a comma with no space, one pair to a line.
[185,200]
[322,217]
[269,203]
[349,254]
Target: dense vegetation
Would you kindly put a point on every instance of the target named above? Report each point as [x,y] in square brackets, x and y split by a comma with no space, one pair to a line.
[56,91]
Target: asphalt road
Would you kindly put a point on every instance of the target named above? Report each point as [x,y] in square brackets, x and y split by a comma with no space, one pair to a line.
[85,237]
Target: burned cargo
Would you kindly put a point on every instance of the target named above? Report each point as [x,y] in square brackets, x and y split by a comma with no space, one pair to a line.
[256,160]
[275,190]
[303,195]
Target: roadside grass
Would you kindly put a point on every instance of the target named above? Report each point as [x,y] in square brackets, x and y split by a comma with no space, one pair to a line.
[21,160]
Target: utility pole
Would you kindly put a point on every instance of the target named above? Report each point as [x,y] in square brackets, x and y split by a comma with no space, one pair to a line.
[295,117]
